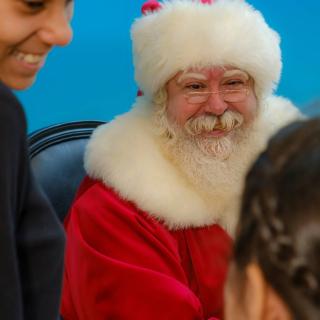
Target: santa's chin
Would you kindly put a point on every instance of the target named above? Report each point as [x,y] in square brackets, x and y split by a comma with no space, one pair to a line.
[219,147]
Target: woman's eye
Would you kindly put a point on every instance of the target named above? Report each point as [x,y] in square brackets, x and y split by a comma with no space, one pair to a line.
[34,5]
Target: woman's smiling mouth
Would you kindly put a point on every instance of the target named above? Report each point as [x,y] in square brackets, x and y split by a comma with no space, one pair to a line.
[30,60]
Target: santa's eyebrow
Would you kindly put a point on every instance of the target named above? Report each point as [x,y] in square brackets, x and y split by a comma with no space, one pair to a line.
[193,75]
[236,72]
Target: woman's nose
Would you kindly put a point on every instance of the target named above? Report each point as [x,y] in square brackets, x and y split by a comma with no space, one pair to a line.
[57,30]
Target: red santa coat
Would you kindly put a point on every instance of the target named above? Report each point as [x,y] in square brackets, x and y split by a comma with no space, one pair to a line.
[123,264]
[143,242]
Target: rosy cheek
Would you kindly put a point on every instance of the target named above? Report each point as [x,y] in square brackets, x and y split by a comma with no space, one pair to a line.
[174,109]
[248,108]
[253,108]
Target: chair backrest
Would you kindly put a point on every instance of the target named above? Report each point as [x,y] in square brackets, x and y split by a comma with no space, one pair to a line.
[56,155]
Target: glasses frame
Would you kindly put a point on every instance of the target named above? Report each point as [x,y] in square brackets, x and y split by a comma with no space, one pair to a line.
[206,95]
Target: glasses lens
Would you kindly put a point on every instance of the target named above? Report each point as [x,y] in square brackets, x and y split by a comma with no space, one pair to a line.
[197,97]
[234,95]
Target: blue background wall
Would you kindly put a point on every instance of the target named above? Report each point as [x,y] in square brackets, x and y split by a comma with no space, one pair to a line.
[93,77]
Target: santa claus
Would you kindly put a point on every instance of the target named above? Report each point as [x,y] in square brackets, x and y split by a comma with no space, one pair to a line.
[150,231]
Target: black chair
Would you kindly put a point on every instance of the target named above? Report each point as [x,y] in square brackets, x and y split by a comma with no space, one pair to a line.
[56,155]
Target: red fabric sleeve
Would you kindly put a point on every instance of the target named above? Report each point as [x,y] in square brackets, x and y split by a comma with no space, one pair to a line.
[121,264]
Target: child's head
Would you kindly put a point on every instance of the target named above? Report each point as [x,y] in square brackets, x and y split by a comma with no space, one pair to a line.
[275,273]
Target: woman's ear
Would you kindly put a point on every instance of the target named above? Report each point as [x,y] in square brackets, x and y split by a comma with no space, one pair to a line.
[255,292]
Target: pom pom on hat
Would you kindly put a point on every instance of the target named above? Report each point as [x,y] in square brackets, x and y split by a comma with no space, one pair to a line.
[154,5]
[150,6]
[207,1]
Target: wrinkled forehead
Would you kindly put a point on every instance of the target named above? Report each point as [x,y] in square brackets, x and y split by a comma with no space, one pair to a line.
[211,73]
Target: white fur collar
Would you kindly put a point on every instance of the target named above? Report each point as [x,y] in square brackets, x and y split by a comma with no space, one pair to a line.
[126,155]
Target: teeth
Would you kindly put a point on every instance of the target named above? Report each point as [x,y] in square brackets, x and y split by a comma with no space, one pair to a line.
[28,57]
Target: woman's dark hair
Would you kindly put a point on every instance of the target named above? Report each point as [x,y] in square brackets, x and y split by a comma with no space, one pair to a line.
[279,226]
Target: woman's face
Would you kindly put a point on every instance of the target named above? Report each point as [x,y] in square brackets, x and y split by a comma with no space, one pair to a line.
[29,29]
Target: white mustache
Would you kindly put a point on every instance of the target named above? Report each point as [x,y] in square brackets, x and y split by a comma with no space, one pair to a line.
[206,123]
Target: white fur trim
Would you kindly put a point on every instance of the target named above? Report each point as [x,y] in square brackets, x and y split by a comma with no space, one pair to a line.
[187,33]
[126,156]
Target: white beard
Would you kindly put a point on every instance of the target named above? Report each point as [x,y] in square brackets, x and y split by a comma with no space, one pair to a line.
[211,148]
[207,162]
[215,166]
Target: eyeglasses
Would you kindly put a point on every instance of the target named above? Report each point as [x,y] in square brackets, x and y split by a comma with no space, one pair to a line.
[228,95]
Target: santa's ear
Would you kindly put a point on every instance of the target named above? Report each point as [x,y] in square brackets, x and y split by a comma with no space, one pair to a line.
[255,292]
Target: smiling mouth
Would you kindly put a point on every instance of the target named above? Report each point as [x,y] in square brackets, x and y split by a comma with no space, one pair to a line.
[215,133]
[220,127]
[29,58]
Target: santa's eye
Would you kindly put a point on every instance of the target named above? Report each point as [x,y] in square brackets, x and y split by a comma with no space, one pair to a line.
[195,86]
[234,84]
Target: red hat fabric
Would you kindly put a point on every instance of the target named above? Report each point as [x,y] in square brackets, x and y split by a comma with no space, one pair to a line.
[150,6]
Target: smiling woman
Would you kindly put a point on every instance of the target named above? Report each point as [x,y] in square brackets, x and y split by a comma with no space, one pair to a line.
[29,29]
[31,238]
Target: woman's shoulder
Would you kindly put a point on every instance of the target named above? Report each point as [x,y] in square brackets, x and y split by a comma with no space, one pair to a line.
[12,117]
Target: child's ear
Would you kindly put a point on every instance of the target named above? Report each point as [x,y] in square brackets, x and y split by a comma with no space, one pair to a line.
[255,292]
[275,308]
[262,302]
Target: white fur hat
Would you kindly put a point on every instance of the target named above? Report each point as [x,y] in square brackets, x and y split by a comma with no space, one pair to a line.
[190,33]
